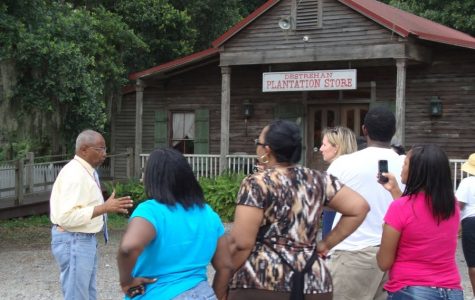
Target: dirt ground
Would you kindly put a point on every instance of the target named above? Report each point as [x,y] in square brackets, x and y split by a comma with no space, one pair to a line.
[28,270]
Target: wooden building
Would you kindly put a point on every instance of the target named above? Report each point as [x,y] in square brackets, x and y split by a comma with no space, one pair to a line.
[213,102]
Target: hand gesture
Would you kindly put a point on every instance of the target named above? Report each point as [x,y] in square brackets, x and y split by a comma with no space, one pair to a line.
[118,205]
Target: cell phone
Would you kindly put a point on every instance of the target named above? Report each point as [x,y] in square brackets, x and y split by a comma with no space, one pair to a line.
[136,290]
[382,168]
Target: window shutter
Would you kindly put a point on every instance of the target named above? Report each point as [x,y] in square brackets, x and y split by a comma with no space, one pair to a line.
[161,129]
[309,14]
[202,131]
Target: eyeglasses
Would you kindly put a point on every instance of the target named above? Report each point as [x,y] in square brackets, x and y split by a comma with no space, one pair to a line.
[257,143]
[100,149]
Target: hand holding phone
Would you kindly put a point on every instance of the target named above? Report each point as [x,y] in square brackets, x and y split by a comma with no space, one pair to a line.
[382,168]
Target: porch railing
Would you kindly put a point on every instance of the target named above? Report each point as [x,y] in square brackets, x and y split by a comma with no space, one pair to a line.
[457,173]
[26,176]
[23,177]
[207,165]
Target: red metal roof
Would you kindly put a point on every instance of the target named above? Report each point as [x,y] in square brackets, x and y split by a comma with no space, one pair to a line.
[175,63]
[399,21]
[405,23]
[243,23]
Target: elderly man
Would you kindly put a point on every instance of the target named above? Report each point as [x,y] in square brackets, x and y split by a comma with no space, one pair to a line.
[78,211]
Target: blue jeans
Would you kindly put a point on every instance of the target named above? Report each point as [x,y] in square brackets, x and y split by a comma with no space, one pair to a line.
[76,255]
[202,291]
[426,293]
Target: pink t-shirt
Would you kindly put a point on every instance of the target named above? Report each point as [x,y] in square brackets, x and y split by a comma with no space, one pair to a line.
[426,251]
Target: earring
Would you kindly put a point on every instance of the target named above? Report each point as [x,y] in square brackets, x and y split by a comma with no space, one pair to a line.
[262,159]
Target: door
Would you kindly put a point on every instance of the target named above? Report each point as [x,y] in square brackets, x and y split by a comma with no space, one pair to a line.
[321,117]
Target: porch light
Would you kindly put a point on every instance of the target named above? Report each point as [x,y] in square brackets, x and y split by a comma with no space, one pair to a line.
[248,109]
[435,106]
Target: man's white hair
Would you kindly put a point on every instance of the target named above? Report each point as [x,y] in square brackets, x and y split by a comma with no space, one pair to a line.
[86,137]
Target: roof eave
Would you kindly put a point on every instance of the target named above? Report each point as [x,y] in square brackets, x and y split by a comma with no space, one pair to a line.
[180,62]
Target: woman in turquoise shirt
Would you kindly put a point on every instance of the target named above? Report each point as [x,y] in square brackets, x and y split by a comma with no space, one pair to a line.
[171,238]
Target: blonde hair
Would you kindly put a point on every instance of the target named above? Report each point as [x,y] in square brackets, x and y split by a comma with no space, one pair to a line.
[342,138]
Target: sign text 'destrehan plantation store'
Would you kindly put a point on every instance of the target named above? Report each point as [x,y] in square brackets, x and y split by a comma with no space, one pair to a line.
[309,80]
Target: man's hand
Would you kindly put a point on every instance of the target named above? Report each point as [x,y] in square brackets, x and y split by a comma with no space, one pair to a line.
[118,205]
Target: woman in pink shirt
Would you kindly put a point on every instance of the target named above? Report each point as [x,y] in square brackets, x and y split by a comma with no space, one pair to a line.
[420,230]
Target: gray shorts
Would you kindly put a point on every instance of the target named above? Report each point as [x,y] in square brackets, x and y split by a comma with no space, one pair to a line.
[356,275]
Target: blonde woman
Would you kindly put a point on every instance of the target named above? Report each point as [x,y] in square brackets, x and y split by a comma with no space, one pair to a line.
[336,141]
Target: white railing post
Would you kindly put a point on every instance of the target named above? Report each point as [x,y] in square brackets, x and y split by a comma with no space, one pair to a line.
[458,174]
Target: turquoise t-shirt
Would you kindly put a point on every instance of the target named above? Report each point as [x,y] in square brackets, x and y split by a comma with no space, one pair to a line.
[184,245]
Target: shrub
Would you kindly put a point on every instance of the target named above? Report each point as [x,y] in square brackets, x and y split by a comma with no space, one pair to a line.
[220,193]
[133,188]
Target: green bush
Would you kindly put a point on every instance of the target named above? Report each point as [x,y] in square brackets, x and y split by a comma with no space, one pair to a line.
[132,188]
[220,193]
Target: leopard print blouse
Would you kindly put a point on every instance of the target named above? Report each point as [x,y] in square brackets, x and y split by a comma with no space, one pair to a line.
[292,199]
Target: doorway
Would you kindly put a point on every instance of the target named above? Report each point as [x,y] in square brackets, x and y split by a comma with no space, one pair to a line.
[323,116]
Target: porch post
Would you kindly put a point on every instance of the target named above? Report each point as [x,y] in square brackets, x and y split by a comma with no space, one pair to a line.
[139,87]
[400,136]
[225,108]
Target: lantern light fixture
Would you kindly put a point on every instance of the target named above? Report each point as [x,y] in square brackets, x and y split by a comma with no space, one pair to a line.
[435,106]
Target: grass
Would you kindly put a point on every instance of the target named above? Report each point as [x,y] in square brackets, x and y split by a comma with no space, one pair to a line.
[115,222]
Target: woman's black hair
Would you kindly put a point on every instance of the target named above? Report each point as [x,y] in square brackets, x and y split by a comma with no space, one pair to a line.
[429,171]
[285,141]
[169,179]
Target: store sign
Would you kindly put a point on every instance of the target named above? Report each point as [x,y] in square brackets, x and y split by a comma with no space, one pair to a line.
[309,81]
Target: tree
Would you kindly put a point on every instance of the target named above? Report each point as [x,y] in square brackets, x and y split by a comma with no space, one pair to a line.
[69,66]
[458,14]
[211,18]
[165,29]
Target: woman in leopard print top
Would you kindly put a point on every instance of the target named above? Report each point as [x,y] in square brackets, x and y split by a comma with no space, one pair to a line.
[277,220]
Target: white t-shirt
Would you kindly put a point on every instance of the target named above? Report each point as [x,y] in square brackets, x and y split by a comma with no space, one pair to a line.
[466,194]
[359,172]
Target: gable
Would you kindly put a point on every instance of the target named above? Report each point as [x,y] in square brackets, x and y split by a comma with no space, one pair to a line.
[340,26]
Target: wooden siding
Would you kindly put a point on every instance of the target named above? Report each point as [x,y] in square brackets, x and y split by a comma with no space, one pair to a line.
[123,132]
[195,89]
[341,27]
[451,76]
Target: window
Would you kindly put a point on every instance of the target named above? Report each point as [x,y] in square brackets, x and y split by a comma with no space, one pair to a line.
[183,132]
[186,131]
[309,14]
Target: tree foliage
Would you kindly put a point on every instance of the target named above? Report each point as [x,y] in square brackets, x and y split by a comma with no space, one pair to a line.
[71,57]
[458,14]
[68,63]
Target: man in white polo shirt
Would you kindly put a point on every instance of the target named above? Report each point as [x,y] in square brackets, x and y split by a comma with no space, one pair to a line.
[77,211]
[353,263]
